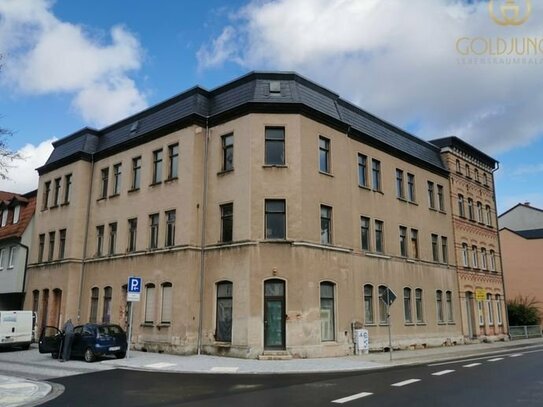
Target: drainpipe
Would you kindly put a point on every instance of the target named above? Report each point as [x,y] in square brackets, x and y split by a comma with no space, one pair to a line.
[27,249]
[500,249]
[85,242]
[203,238]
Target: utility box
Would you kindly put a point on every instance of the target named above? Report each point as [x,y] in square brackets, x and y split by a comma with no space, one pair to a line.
[362,341]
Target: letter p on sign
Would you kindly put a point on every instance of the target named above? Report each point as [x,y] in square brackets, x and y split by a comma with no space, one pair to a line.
[134,289]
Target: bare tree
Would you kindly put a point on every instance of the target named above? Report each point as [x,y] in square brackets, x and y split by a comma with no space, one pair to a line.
[7,155]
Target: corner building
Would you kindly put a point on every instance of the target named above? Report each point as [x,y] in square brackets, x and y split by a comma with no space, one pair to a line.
[266,216]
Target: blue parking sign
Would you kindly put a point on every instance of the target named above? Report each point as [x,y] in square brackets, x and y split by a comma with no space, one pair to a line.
[134,288]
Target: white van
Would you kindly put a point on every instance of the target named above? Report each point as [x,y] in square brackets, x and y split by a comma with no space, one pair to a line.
[16,329]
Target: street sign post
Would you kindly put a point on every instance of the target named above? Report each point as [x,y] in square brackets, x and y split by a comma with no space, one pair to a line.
[388,297]
[133,294]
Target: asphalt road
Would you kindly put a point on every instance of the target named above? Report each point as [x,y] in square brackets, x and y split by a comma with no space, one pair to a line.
[509,379]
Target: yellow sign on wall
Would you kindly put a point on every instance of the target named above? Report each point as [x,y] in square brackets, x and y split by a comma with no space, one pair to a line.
[480,294]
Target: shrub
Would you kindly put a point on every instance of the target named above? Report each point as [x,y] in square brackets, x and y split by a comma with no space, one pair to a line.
[523,311]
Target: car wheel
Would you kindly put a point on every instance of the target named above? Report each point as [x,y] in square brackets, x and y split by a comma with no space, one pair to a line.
[89,355]
[120,355]
[54,355]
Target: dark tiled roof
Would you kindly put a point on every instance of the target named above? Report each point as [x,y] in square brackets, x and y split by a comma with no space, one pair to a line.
[531,234]
[250,93]
[468,148]
[28,206]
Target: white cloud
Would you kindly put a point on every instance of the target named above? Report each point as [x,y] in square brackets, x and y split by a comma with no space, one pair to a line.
[531,169]
[398,59]
[45,55]
[22,174]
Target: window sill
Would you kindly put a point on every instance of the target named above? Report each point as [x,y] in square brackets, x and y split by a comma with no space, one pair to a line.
[133,190]
[53,207]
[451,323]
[102,198]
[147,324]
[409,324]
[442,323]
[154,184]
[114,196]
[433,209]
[421,323]
[378,191]
[65,204]
[224,172]
[402,199]
[410,260]
[164,325]
[372,325]
[383,324]
[222,344]
[328,174]
[442,212]
[275,166]
[170,180]
[364,187]
[378,256]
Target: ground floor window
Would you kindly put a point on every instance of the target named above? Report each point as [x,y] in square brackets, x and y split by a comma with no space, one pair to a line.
[480,312]
[407,309]
[418,305]
[383,309]
[448,298]
[439,305]
[368,304]
[223,329]
[327,312]
[499,307]
[490,309]
[149,303]
[167,302]
[93,315]
[106,315]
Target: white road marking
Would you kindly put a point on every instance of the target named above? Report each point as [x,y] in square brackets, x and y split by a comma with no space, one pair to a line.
[516,355]
[405,382]
[472,365]
[479,358]
[442,372]
[494,360]
[160,365]
[224,369]
[351,398]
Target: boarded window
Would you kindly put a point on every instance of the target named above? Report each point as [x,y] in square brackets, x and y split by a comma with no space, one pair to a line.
[149,303]
[167,302]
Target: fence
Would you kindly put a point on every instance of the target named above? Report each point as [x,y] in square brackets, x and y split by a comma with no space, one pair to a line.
[525,332]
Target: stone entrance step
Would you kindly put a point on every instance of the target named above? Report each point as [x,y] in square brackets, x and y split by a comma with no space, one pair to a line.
[275,355]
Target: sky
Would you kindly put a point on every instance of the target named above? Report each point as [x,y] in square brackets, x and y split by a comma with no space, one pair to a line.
[424,66]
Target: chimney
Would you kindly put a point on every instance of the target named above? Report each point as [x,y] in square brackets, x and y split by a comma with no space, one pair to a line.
[527,203]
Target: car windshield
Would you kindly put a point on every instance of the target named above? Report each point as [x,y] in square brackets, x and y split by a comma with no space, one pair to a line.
[110,330]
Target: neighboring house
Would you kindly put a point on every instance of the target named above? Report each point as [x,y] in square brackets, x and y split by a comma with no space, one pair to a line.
[265,215]
[16,229]
[521,236]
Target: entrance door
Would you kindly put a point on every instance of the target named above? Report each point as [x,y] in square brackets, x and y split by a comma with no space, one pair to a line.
[274,314]
[469,312]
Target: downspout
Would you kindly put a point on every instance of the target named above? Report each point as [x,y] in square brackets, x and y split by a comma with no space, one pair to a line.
[85,242]
[27,249]
[500,249]
[203,238]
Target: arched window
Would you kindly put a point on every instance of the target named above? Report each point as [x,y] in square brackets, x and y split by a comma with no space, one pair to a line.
[106,313]
[450,315]
[327,312]
[465,254]
[439,306]
[488,216]
[383,314]
[480,216]
[167,302]
[407,305]
[458,167]
[93,316]
[369,317]
[483,258]
[149,303]
[499,315]
[223,328]
[474,257]
[471,211]
[490,309]
[461,208]
[492,260]
[468,173]
[419,305]
[476,172]
[35,300]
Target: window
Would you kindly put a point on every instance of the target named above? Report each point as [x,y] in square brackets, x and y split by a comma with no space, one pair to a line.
[2,251]
[228,152]
[136,173]
[485,180]
[476,172]
[99,240]
[5,217]
[223,329]
[167,302]
[400,193]
[492,261]
[327,312]
[275,219]
[499,315]
[435,249]
[41,248]
[67,188]
[149,303]
[383,311]
[403,241]
[415,243]
[132,234]
[407,306]
[227,222]
[93,315]
[468,173]
[326,224]
[56,199]
[12,254]
[368,305]
[105,181]
[480,313]
[431,197]
[480,216]
[471,211]
[16,214]
[51,246]
[35,301]
[488,216]
[439,305]
[444,250]
[112,238]
[458,167]
[170,228]
[448,298]
[45,196]
[465,255]
[362,170]
[157,166]
[474,256]
[324,154]
[411,187]
[440,198]
[376,171]
[173,155]
[483,259]
[62,243]
[461,208]
[117,170]
[106,312]
[275,146]
[365,232]
[418,306]
[490,309]
[379,247]
[153,235]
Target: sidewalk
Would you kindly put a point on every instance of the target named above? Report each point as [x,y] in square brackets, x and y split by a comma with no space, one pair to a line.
[15,391]
[214,364]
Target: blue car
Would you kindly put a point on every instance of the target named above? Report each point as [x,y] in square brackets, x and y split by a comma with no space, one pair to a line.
[89,341]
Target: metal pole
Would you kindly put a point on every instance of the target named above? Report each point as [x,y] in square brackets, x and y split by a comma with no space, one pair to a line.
[389,333]
[129,331]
